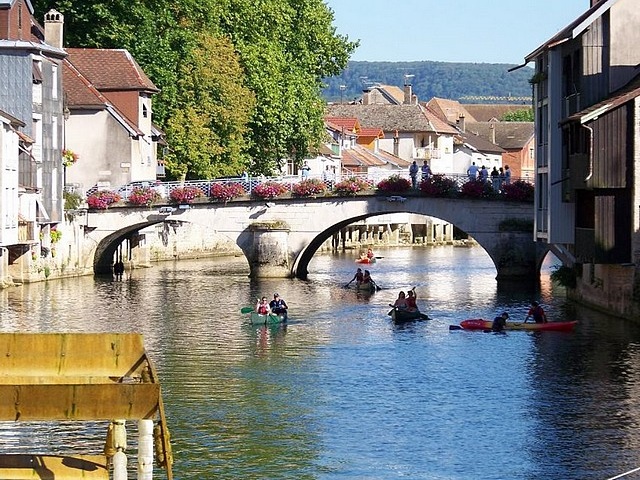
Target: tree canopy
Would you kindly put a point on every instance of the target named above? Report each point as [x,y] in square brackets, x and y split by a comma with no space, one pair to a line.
[240,80]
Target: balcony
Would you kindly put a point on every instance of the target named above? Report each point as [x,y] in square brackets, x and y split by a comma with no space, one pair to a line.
[426,153]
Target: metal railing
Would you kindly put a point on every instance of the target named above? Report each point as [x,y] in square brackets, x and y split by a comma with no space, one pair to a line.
[289,181]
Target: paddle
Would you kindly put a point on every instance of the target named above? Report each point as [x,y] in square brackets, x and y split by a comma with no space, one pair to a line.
[349,283]
[378,287]
[378,258]
[455,327]
[246,310]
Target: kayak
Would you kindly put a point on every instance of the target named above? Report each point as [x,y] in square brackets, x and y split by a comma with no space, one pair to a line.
[366,287]
[366,260]
[402,316]
[270,319]
[481,324]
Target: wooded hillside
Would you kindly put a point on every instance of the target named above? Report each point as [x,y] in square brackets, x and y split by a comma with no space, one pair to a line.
[466,82]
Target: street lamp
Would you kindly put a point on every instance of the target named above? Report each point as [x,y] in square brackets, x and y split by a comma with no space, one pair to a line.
[342,89]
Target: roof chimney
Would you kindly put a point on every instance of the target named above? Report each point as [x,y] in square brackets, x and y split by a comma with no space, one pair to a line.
[408,94]
[492,129]
[53,28]
[366,96]
[460,123]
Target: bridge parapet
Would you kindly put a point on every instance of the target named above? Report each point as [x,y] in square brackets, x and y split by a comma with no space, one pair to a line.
[279,238]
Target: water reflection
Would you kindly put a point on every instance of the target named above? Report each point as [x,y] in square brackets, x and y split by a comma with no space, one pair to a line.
[340,391]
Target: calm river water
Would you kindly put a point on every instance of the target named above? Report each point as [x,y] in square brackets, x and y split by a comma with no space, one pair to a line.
[341,392]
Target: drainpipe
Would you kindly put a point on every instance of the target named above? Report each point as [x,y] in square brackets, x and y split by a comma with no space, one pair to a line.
[590,152]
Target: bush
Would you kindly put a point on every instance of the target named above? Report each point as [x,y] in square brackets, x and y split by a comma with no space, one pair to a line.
[185,195]
[439,186]
[395,184]
[519,191]
[307,188]
[351,186]
[71,200]
[102,199]
[269,190]
[477,189]
[564,276]
[143,196]
[225,192]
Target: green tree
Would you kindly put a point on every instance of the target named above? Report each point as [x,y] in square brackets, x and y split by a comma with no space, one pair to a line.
[208,131]
[286,48]
[522,115]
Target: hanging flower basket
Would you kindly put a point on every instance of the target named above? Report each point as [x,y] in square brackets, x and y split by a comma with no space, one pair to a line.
[69,157]
[101,200]
[185,195]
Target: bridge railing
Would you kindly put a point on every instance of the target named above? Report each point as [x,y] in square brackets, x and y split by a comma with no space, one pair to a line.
[289,181]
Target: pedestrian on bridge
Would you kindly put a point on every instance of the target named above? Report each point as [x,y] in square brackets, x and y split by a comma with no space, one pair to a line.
[472,171]
[413,173]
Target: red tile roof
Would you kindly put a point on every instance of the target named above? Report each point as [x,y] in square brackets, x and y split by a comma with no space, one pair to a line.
[110,70]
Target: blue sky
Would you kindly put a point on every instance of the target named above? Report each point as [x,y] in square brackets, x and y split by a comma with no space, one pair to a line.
[479,31]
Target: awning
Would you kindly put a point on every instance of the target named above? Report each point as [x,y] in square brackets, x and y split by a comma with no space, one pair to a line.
[41,212]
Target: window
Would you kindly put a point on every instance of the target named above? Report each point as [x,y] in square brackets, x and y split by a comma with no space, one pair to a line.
[145,113]
[54,82]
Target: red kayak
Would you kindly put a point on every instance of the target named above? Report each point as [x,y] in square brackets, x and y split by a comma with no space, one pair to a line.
[481,324]
[366,260]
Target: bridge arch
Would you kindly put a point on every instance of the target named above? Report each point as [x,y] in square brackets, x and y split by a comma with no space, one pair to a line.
[306,223]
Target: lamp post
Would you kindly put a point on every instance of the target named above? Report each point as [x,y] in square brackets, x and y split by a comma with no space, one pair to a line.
[342,89]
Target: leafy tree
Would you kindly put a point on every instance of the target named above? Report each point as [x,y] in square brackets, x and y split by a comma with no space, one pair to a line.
[522,115]
[285,46]
[208,132]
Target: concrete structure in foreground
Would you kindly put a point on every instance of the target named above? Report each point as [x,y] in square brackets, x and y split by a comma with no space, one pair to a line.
[280,237]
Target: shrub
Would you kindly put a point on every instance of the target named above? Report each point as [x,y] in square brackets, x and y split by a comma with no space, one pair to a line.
[477,189]
[55,236]
[351,186]
[226,191]
[185,195]
[394,183]
[439,186]
[143,196]
[268,190]
[519,191]
[69,157]
[71,200]
[307,188]
[102,199]
[565,276]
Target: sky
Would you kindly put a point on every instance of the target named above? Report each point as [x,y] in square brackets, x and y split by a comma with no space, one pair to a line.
[477,31]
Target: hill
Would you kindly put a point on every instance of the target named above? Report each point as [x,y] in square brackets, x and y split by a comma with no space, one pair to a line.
[466,82]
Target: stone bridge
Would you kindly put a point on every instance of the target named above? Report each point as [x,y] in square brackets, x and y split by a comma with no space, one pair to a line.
[280,237]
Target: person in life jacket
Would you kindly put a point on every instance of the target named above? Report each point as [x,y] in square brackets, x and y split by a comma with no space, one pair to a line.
[278,305]
[262,307]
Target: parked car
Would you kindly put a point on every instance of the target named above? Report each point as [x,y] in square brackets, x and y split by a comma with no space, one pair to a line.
[125,190]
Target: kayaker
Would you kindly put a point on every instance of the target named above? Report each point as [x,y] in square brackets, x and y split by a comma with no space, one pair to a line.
[412,306]
[262,307]
[370,254]
[401,302]
[278,305]
[358,277]
[537,312]
[500,322]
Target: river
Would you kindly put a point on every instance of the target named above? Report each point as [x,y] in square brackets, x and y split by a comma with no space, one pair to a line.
[341,392]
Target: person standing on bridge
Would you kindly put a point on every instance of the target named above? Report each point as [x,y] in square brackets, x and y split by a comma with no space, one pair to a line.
[413,173]
[305,170]
[472,171]
[426,171]
[507,175]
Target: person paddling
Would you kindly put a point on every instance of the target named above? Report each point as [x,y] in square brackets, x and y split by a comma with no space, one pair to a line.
[262,307]
[500,322]
[537,312]
[412,306]
[278,305]
[358,277]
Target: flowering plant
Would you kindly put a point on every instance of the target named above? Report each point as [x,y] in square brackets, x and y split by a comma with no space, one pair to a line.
[269,190]
[307,188]
[69,158]
[143,196]
[439,186]
[350,186]
[226,192]
[102,199]
[518,191]
[185,194]
[55,235]
[394,183]
[477,189]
